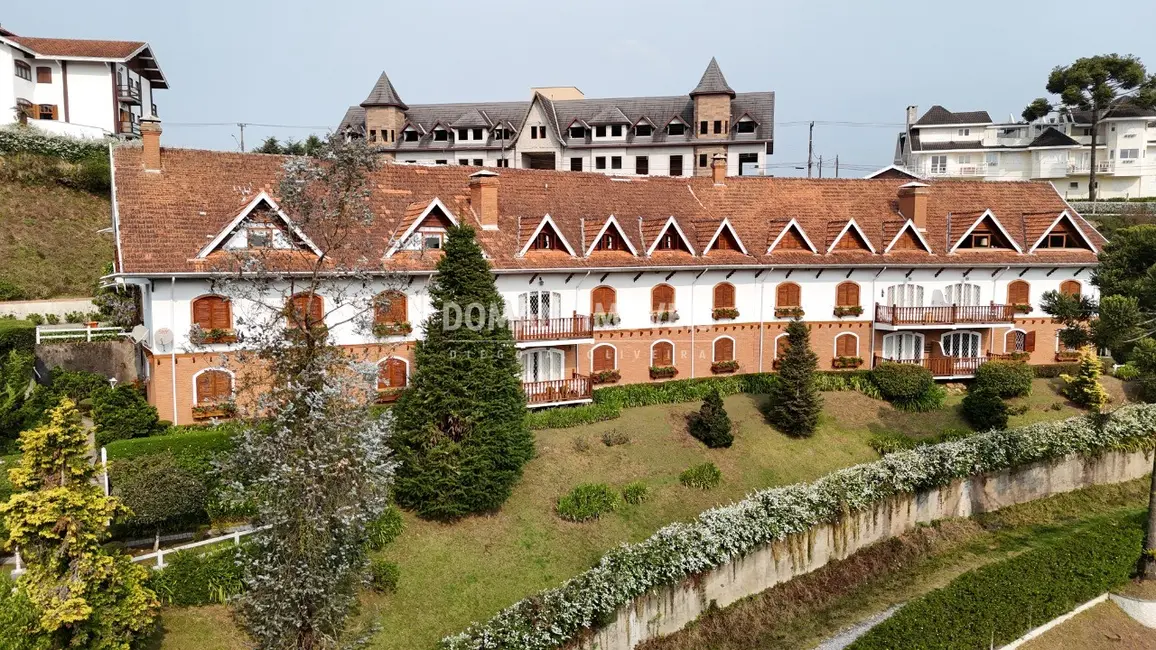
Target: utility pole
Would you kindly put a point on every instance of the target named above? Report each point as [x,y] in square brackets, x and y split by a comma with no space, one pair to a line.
[810,146]
[836,165]
[242,125]
[820,166]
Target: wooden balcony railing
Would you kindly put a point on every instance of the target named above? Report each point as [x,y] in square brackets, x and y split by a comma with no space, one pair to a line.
[558,390]
[943,366]
[552,329]
[945,315]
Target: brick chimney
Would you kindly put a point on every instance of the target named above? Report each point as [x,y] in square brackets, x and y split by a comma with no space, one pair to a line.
[150,137]
[913,203]
[484,197]
[718,168]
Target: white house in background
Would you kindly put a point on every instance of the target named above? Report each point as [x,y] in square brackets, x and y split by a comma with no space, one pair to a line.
[1056,148]
[81,88]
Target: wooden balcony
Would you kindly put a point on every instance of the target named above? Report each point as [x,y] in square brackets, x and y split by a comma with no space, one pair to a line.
[544,393]
[945,315]
[553,329]
[128,92]
[943,366]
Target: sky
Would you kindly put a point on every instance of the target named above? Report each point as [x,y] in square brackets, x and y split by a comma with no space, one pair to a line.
[298,64]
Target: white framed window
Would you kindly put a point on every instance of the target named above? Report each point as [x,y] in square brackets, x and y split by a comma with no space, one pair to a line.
[963,159]
[905,295]
[939,164]
[993,159]
[1129,154]
[963,132]
[1018,340]
[962,293]
[546,364]
[903,346]
[539,305]
[961,345]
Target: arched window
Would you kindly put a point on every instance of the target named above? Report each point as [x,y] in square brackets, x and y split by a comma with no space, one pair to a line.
[724,295]
[662,354]
[782,344]
[724,349]
[1019,341]
[603,300]
[962,293]
[212,313]
[847,345]
[1070,288]
[604,358]
[305,309]
[212,386]
[392,373]
[662,298]
[1018,293]
[961,345]
[390,308]
[847,295]
[787,295]
[903,346]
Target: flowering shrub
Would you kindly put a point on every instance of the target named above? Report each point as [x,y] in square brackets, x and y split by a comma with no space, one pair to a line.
[24,140]
[555,617]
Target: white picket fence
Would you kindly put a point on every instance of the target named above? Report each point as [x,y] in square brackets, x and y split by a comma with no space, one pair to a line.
[50,333]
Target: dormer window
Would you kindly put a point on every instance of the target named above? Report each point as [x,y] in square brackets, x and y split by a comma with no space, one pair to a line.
[577,131]
[978,240]
[676,128]
[745,126]
[441,135]
[260,237]
[463,134]
[545,241]
[616,130]
[410,135]
[431,240]
[643,130]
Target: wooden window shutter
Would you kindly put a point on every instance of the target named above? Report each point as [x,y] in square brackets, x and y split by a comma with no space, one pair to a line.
[782,344]
[602,300]
[845,345]
[221,318]
[54,114]
[724,350]
[205,387]
[663,355]
[724,296]
[1030,341]
[1070,288]
[847,295]
[662,298]
[1018,293]
[396,373]
[203,316]
[391,307]
[1009,341]
[787,295]
[603,358]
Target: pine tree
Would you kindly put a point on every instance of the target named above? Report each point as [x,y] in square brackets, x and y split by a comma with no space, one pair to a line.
[460,431]
[711,424]
[86,596]
[795,402]
[1084,387]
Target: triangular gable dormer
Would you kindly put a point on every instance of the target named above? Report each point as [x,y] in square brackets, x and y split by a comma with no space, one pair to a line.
[670,238]
[908,238]
[430,224]
[792,237]
[986,233]
[1063,234]
[547,237]
[852,238]
[611,238]
[725,239]
[261,220]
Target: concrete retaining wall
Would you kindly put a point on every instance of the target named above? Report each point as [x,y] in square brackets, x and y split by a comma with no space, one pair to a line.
[58,306]
[109,358]
[669,609]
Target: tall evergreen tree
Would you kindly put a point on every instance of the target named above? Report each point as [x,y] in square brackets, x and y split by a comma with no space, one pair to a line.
[460,430]
[795,402]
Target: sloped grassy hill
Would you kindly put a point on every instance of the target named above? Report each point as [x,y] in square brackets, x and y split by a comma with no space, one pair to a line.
[49,244]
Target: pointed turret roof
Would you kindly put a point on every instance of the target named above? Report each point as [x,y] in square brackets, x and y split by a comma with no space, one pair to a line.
[384,94]
[713,82]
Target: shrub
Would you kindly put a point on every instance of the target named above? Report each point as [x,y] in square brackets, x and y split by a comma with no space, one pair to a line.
[1005,378]
[75,317]
[1084,387]
[998,603]
[614,437]
[581,445]
[931,400]
[9,291]
[91,174]
[382,531]
[888,442]
[161,494]
[53,319]
[1126,372]
[17,335]
[635,493]
[77,385]
[564,417]
[121,413]
[1053,370]
[711,425]
[15,139]
[19,618]
[35,319]
[587,501]
[984,409]
[902,381]
[704,477]
[795,401]
[383,576]
[190,578]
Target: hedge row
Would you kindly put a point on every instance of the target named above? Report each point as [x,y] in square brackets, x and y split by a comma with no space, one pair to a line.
[1000,602]
[555,617]
[193,447]
[27,140]
[16,335]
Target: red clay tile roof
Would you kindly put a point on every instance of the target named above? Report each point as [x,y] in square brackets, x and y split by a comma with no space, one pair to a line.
[70,47]
[166,218]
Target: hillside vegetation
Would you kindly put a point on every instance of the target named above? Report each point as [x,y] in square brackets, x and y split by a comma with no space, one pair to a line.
[49,244]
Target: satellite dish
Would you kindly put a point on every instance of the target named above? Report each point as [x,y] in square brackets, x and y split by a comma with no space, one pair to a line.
[139,333]
[164,340]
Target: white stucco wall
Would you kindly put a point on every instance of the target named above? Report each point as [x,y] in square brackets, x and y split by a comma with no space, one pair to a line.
[90,100]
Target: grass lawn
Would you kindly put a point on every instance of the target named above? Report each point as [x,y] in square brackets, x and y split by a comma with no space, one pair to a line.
[1103,627]
[454,574]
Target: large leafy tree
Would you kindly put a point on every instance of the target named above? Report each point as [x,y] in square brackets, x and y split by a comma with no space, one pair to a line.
[795,401]
[1096,84]
[461,435]
[85,596]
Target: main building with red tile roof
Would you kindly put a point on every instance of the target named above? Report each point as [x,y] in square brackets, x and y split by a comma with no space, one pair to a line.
[620,279]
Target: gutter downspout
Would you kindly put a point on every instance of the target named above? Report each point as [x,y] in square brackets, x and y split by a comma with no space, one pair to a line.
[874,305]
[762,314]
[578,357]
[173,352]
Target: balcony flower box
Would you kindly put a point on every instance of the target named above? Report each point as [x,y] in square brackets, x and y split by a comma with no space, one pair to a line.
[606,377]
[846,362]
[663,372]
[219,410]
[849,310]
[606,320]
[788,312]
[725,313]
[724,367]
[388,395]
[383,330]
[1022,309]
[663,316]
[1067,356]
[201,336]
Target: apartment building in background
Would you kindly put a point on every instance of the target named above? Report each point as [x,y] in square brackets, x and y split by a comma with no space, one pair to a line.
[560,128]
[613,279]
[1055,148]
[78,88]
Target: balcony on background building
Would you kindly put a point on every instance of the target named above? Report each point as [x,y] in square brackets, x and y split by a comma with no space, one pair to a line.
[128,92]
[944,367]
[130,127]
[545,330]
[944,315]
[577,389]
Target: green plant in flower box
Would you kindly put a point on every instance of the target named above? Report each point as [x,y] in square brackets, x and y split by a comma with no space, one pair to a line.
[606,319]
[662,372]
[725,313]
[721,367]
[606,377]
[846,362]
[851,310]
[789,312]
[402,328]
[1022,309]
[663,316]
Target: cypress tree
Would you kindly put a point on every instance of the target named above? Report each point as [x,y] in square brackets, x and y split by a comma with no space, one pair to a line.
[460,429]
[795,402]
[711,424]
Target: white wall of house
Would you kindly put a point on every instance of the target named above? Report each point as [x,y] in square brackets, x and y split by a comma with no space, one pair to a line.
[90,100]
